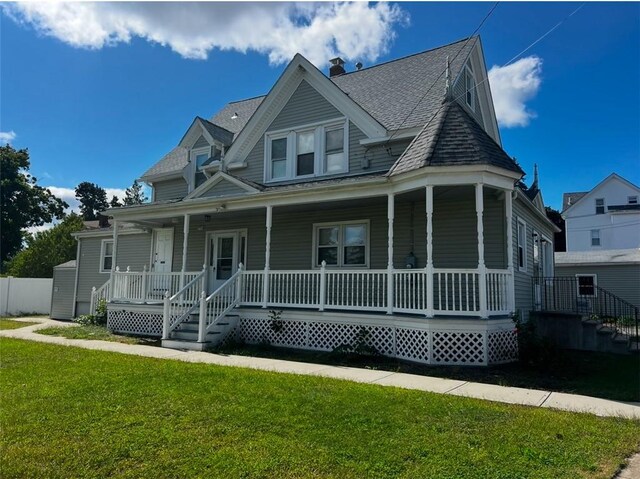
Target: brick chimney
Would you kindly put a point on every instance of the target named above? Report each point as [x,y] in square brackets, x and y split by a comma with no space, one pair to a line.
[337,67]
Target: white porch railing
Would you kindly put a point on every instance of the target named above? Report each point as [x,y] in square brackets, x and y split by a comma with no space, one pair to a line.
[135,286]
[97,295]
[178,307]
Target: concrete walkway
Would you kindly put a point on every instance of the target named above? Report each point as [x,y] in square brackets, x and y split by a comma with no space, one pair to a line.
[491,392]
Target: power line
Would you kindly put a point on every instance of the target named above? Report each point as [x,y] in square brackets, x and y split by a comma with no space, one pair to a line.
[506,64]
[442,72]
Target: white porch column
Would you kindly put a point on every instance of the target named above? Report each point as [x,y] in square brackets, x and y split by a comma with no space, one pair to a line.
[429,268]
[482,269]
[114,257]
[390,218]
[185,243]
[508,206]
[267,258]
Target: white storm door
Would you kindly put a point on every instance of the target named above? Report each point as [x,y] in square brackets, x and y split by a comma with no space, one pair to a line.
[223,258]
[163,250]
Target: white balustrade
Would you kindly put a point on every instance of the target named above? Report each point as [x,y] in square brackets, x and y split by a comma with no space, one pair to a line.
[498,291]
[362,290]
[410,291]
[456,291]
[143,286]
[294,288]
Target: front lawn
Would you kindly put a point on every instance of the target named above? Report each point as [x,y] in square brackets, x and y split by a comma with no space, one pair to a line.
[95,332]
[82,413]
[6,323]
[605,375]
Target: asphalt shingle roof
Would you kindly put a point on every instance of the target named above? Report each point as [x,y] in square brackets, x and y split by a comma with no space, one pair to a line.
[599,257]
[399,93]
[452,138]
[569,199]
[242,110]
[174,161]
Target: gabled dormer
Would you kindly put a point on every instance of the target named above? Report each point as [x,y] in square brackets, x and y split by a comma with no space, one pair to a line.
[206,144]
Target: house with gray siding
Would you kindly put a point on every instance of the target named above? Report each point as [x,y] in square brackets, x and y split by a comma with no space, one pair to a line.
[377,202]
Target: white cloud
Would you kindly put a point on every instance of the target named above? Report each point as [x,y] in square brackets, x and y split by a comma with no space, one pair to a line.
[512,86]
[320,31]
[7,137]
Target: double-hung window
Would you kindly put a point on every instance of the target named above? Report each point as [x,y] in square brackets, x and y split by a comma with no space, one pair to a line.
[522,245]
[586,284]
[342,244]
[106,256]
[595,238]
[599,206]
[313,150]
[199,157]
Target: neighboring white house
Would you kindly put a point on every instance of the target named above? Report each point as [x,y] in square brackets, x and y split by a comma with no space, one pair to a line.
[607,217]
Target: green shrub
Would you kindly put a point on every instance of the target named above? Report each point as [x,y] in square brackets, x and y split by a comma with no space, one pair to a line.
[535,351]
[97,319]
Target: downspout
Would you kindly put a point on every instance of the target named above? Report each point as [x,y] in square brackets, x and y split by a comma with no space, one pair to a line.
[75,286]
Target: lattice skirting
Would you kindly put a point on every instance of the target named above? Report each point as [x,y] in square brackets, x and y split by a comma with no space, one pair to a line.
[135,322]
[473,348]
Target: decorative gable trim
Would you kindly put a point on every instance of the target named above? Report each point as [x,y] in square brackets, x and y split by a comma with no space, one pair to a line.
[219,177]
[194,132]
[590,194]
[298,69]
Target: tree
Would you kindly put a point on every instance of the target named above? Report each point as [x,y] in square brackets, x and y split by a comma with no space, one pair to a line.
[115,202]
[93,199]
[134,195]
[23,203]
[559,239]
[47,249]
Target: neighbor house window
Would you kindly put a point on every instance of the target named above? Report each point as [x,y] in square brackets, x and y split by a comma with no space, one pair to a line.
[632,200]
[314,150]
[522,245]
[470,89]
[599,206]
[106,256]
[342,244]
[595,238]
[586,284]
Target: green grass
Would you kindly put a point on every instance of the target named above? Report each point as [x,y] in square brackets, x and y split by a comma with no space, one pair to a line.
[6,323]
[609,376]
[95,332]
[81,413]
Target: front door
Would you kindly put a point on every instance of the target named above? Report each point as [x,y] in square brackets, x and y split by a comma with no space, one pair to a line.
[161,261]
[223,258]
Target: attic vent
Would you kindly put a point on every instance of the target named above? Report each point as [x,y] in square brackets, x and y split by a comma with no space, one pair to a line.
[337,67]
[235,115]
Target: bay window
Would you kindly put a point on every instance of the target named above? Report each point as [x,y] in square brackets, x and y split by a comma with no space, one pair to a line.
[313,150]
[342,244]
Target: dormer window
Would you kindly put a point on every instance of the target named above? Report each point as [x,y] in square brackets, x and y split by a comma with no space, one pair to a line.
[199,157]
[306,152]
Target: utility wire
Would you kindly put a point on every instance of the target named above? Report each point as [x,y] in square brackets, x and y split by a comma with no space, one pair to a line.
[506,64]
[442,72]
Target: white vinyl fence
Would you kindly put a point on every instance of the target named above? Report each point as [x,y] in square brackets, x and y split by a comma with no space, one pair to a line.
[25,295]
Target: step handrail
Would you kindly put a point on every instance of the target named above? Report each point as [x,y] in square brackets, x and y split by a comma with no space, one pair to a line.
[97,294]
[219,303]
[562,294]
[181,305]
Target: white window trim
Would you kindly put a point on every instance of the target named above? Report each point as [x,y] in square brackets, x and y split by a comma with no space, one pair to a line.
[193,154]
[340,224]
[468,71]
[591,239]
[632,200]
[595,285]
[524,256]
[103,249]
[319,129]
[604,206]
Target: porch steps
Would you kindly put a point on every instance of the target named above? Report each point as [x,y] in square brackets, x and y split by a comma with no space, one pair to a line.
[596,337]
[185,336]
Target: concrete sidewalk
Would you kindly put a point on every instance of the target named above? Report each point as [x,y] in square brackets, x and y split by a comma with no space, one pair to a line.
[491,392]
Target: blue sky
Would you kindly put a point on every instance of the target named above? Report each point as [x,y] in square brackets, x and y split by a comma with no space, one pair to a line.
[95,104]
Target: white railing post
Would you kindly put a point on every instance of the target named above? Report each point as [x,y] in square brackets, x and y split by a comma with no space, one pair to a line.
[205,279]
[429,267]
[117,284]
[202,318]
[323,285]
[92,306]
[508,203]
[390,218]
[165,316]
[144,284]
[482,269]
[185,243]
[114,257]
[267,258]
[239,284]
